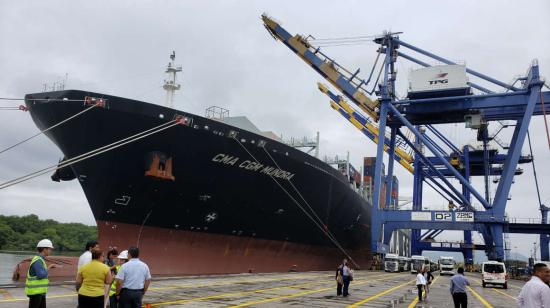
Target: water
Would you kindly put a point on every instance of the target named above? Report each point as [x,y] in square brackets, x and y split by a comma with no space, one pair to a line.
[8,261]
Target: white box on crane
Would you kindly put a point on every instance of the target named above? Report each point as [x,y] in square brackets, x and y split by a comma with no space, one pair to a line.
[438,81]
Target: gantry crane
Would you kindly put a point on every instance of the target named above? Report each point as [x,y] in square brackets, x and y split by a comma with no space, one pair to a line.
[519,104]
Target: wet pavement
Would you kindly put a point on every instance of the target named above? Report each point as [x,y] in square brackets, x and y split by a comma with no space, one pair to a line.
[311,289]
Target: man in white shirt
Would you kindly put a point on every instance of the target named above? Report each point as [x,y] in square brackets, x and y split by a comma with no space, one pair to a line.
[420,283]
[536,293]
[86,257]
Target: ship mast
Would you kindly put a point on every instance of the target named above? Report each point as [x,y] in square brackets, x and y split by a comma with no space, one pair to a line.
[170,84]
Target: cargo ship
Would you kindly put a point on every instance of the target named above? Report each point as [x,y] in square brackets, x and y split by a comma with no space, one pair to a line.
[206,194]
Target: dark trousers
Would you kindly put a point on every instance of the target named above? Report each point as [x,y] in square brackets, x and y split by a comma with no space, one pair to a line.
[90,301]
[113,301]
[460,300]
[339,289]
[346,285]
[419,286]
[130,298]
[37,301]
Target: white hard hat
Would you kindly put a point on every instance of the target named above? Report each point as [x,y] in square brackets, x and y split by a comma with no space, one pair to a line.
[45,243]
[123,255]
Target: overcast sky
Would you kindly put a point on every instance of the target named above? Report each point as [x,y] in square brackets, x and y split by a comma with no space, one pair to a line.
[229,60]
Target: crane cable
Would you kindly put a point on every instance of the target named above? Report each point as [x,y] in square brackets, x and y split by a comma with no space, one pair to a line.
[40,99]
[545,121]
[91,153]
[333,240]
[47,129]
[541,206]
[311,209]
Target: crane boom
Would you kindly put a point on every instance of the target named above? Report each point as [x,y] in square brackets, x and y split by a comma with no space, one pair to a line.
[346,82]
[366,126]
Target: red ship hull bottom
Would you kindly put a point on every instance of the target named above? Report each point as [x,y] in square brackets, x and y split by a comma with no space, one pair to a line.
[179,252]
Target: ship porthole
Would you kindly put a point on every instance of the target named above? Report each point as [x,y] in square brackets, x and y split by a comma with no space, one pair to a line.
[161,116]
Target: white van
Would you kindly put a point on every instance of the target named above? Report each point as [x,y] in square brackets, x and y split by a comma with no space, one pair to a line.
[494,273]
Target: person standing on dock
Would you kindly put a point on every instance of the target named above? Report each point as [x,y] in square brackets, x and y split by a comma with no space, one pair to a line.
[36,284]
[346,277]
[94,279]
[86,257]
[458,288]
[536,293]
[121,259]
[111,260]
[339,280]
[132,281]
[429,278]
[420,283]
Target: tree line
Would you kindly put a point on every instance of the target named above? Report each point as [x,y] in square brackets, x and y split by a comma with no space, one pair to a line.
[21,233]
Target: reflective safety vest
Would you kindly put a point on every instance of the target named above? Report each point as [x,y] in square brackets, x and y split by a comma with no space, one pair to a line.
[33,285]
[113,284]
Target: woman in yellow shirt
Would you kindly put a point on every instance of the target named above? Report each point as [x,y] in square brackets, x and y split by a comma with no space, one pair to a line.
[95,278]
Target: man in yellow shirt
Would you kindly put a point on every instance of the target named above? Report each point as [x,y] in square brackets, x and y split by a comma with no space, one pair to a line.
[95,278]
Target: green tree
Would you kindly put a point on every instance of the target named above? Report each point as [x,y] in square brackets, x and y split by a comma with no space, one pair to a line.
[23,232]
[6,234]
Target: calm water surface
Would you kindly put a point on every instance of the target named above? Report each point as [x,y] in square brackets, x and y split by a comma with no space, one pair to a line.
[8,261]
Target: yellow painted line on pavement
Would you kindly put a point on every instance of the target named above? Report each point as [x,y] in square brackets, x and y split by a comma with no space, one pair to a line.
[6,294]
[480,298]
[304,293]
[18,299]
[165,288]
[282,297]
[246,293]
[504,293]
[194,285]
[415,301]
[379,294]
[230,294]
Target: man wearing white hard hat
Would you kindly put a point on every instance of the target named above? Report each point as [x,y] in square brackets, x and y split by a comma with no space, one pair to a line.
[121,259]
[36,284]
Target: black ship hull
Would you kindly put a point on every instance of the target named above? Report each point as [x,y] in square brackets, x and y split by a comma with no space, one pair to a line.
[203,196]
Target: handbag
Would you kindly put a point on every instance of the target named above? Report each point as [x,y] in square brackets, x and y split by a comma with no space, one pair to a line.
[339,279]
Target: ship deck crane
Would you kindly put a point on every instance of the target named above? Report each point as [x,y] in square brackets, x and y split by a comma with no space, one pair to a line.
[519,105]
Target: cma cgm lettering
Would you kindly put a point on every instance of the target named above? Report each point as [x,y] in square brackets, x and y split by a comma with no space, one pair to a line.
[252,166]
